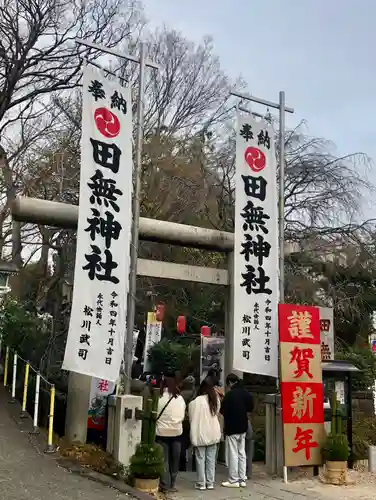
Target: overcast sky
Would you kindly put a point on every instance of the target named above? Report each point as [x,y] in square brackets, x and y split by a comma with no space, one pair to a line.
[320,52]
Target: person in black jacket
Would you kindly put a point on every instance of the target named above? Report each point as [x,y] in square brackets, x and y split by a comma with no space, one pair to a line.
[236,405]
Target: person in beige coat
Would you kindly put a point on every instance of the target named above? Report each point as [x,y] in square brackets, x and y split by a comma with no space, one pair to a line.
[169,428]
[205,433]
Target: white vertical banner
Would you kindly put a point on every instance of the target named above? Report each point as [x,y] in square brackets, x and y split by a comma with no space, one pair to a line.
[327,333]
[153,336]
[256,250]
[134,343]
[99,307]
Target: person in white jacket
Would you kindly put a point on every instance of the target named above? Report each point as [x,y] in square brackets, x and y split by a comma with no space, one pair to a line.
[205,433]
[169,428]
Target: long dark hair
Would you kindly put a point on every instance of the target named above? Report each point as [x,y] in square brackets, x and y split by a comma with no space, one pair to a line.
[169,383]
[207,388]
[213,376]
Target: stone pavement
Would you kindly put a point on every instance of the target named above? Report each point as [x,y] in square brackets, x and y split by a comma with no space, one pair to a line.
[260,487]
[263,487]
[26,474]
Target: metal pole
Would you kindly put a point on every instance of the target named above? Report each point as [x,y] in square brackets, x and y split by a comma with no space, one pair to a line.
[269,104]
[14,377]
[50,446]
[131,310]
[281,196]
[229,320]
[6,366]
[36,405]
[281,206]
[24,398]
[113,52]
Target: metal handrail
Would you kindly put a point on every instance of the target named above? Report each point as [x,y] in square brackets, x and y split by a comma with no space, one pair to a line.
[16,358]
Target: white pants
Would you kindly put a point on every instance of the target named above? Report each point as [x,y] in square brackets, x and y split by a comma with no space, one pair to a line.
[236,458]
[206,457]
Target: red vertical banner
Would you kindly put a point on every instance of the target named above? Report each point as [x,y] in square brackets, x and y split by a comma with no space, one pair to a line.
[301,384]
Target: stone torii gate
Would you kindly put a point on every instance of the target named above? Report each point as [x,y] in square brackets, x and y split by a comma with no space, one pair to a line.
[64,216]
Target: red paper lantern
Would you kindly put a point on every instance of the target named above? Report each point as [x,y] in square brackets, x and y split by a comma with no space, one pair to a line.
[159,314]
[205,331]
[181,324]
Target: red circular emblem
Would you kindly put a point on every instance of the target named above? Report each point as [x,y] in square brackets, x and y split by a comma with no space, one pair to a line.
[107,123]
[255,159]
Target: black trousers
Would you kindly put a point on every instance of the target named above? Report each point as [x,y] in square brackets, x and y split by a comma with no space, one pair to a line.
[185,443]
[171,450]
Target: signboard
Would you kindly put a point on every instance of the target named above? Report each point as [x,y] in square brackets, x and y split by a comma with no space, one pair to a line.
[99,307]
[327,333]
[256,250]
[212,356]
[153,336]
[301,384]
[99,392]
[340,391]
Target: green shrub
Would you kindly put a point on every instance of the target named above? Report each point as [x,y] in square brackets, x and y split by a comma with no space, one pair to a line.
[174,356]
[147,462]
[336,448]
[23,330]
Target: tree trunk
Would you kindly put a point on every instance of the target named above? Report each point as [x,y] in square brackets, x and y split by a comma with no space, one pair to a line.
[16,226]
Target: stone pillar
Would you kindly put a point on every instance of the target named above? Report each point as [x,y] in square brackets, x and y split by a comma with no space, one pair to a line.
[127,430]
[78,400]
[274,450]
[280,450]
